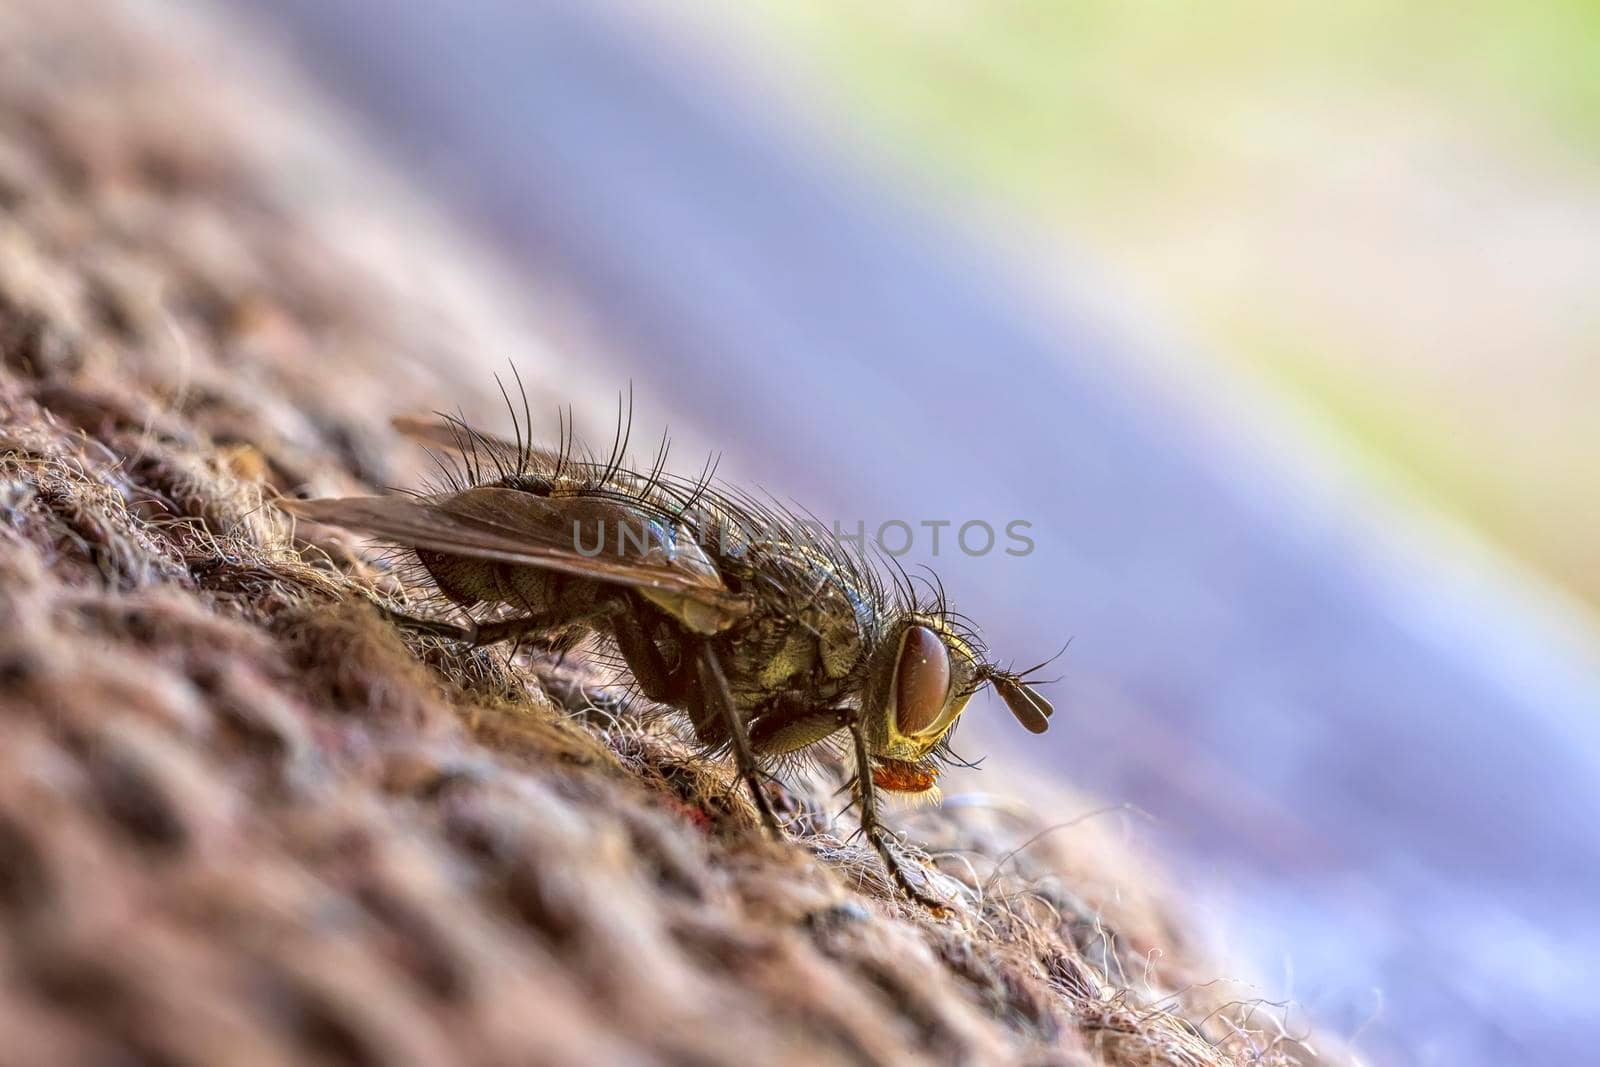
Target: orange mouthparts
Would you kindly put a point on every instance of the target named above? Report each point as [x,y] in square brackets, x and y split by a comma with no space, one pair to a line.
[898,776]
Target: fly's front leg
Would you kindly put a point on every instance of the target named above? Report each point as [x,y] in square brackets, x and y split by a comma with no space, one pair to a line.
[874,829]
[714,691]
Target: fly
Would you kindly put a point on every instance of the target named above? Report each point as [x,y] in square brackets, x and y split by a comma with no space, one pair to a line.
[768,635]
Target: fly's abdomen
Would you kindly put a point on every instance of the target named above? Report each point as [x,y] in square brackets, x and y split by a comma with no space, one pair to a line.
[468,581]
[464,580]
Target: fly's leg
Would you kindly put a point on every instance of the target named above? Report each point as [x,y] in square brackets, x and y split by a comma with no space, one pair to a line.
[433,627]
[874,829]
[786,730]
[714,690]
[478,634]
[677,686]
[490,633]
[656,680]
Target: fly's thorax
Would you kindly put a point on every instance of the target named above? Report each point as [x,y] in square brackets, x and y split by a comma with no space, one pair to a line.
[806,632]
[766,655]
[919,678]
[793,647]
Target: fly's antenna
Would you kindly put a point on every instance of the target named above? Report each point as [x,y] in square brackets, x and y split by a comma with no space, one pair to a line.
[1041,665]
[988,672]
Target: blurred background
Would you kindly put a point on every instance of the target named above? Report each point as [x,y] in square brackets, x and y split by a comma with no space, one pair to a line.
[1386,212]
[1277,323]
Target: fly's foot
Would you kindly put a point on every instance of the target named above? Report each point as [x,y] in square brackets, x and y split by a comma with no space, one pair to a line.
[769,816]
[880,842]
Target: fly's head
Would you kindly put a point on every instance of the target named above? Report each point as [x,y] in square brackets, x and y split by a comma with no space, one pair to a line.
[919,680]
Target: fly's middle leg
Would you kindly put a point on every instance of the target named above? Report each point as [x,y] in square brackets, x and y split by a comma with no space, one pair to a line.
[696,684]
[658,681]
[716,697]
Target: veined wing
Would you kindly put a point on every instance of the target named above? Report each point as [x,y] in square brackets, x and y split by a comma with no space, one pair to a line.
[590,537]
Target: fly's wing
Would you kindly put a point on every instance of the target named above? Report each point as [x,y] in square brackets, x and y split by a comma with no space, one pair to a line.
[449,435]
[587,536]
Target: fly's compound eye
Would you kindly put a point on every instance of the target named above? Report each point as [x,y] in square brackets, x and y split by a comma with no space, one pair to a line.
[921,681]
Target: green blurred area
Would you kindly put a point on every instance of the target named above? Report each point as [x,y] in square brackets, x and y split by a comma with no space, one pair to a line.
[1389,211]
